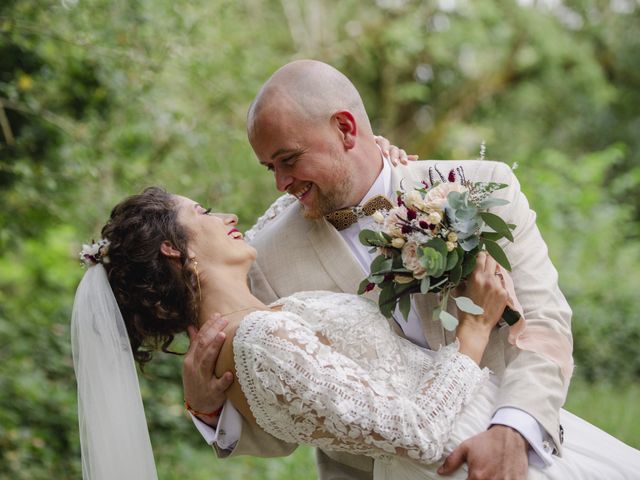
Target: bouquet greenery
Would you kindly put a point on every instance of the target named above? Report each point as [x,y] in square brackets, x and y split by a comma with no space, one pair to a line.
[430,241]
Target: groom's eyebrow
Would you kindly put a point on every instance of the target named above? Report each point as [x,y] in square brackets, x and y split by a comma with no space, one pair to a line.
[282,151]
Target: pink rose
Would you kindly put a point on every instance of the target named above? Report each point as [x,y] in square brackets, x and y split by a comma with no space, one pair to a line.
[436,198]
[410,260]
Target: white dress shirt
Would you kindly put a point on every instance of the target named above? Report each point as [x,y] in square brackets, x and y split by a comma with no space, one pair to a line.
[229,424]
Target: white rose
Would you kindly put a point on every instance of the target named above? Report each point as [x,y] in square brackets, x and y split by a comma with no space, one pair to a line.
[378,217]
[434,218]
[398,242]
[450,246]
[413,200]
[452,237]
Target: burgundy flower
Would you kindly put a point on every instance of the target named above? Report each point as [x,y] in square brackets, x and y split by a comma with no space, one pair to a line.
[370,286]
[406,229]
[424,224]
[452,175]
[411,214]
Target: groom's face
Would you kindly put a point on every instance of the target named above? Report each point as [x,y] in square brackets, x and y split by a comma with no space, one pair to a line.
[306,158]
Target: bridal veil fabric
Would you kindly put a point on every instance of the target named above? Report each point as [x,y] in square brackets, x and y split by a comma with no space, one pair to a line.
[114,437]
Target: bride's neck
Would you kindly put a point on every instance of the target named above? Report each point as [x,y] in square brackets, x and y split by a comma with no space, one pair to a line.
[225,293]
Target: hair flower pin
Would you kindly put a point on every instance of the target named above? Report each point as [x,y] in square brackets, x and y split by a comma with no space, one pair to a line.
[97,252]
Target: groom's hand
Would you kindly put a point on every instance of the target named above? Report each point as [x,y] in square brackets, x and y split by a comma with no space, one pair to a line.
[498,453]
[203,391]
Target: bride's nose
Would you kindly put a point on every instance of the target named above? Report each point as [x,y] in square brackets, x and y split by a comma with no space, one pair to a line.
[230,219]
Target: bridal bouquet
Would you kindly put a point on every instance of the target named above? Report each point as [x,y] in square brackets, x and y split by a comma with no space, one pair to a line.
[430,241]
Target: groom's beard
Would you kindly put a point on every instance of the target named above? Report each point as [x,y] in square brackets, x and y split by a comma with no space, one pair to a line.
[325,203]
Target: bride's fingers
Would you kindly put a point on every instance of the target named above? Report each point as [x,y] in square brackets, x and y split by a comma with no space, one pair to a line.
[481,260]
[490,265]
[383,143]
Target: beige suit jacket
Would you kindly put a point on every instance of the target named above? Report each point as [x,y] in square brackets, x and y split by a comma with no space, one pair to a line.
[296,254]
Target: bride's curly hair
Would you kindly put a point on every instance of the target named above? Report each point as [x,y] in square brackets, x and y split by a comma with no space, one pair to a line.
[157,295]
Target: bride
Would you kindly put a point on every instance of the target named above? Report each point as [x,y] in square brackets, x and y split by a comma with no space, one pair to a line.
[318,368]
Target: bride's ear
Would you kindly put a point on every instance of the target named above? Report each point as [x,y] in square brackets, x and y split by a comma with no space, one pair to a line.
[168,250]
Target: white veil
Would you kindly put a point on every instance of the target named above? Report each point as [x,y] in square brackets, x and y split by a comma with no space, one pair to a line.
[113,430]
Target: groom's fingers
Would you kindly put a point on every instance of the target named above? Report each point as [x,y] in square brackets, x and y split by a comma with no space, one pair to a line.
[454,461]
[209,343]
[220,385]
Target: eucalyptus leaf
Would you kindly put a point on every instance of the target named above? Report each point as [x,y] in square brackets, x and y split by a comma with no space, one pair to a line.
[456,200]
[363,286]
[495,236]
[455,275]
[497,253]
[405,306]
[381,264]
[432,260]
[469,244]
[468,265]
[452,260]
[387,300]
[497,223]
[372,238]
[467,305]
[449,322]
[425,283]
[490,202]
[467,213]
[438,244]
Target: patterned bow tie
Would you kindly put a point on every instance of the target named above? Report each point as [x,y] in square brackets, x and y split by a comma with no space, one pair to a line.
[346,217]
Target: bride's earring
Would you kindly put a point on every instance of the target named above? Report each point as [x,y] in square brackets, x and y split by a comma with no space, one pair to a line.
[195,269]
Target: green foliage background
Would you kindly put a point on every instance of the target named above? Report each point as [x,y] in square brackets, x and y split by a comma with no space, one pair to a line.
[100,98]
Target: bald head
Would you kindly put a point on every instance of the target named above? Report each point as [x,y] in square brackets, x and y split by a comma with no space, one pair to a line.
[312,90]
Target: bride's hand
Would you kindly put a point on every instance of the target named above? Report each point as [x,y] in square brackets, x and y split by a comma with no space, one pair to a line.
[395,154]
[485,286]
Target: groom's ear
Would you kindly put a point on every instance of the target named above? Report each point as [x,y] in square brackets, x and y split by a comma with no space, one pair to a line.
[168,250]
[348,128]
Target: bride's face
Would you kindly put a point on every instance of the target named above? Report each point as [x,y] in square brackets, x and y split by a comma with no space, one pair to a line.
[213,236]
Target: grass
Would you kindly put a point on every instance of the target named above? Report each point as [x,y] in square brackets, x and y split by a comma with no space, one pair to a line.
[615,409]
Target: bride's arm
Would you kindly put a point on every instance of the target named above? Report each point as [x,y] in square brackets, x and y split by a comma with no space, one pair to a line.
[301,390]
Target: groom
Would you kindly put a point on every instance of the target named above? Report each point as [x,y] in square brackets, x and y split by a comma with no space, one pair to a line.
[308,126]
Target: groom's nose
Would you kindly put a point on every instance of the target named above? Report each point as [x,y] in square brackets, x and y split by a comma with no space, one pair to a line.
[283,182]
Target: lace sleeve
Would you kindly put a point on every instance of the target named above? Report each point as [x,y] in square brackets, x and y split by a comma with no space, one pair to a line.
[302,390]
[275,209]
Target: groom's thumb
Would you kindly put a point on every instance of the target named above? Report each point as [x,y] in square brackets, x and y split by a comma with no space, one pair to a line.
[454,461]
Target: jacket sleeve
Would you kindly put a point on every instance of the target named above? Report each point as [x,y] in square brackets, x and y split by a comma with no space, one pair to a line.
[533,382]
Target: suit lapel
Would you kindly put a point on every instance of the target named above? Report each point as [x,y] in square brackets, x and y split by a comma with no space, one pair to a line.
[335,256]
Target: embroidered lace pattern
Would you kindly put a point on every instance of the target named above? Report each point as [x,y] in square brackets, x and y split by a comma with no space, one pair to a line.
[276,208]
[327,370]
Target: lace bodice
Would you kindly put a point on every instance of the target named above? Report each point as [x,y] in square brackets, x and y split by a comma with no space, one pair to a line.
[328,370]
[276,208]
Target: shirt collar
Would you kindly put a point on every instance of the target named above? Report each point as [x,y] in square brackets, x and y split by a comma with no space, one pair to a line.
[382,184]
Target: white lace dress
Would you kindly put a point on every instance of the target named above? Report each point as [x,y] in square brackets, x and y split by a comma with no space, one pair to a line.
[327,370]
